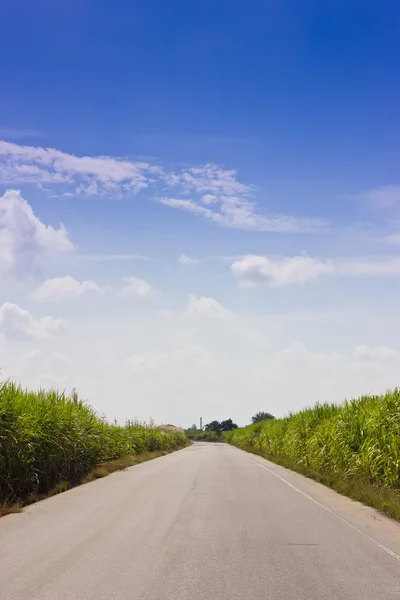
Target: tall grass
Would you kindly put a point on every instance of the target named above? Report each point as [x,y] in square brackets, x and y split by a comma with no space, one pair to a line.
[358,441]
[47,438]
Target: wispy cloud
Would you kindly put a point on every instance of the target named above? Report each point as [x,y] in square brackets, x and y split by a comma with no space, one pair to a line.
[18,134]
[66,288]
[209,179]
[380,352]
[252,270]
[393,239]
[240,213]
[384,197]
[384,202]
[86,174]
[111,257]
[209,191]
[218,195]
[187,261]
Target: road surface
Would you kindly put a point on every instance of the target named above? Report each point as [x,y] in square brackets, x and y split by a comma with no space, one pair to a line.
[209,521]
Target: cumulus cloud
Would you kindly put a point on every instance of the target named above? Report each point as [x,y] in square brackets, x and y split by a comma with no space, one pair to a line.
[215,193]
[206,307]
[252,269]
[209,199]
[64,288]
[135,287]
[24,239]
[187,260]
[17,323]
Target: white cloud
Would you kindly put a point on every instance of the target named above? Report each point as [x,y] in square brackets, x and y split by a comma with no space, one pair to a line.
[206,307]
[64,288]
[24,239]
[169,379]
[111,257]
[91,175]
[225,201]
[135,287]
[187,260]
[215,192]
[187,205]
[212,179]
[240,213]
[17,323]
[253,269]
[209,199]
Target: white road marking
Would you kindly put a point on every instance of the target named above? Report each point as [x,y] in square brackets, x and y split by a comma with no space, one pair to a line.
[331,512]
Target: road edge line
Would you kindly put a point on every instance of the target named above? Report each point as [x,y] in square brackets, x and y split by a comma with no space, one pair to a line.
[334,514]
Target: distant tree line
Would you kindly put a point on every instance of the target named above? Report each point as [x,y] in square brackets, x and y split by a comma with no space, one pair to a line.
[227,425]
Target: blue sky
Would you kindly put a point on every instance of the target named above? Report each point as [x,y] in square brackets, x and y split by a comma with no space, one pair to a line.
[227,179]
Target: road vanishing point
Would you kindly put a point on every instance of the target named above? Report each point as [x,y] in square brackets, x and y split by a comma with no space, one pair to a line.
[209,521]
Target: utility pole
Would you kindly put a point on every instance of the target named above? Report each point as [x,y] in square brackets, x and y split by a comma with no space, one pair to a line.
[201,423]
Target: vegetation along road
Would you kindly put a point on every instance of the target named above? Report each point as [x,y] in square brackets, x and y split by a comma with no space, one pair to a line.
[208,521]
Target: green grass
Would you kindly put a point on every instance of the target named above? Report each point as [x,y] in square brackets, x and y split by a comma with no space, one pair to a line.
[49,442]
[353,448]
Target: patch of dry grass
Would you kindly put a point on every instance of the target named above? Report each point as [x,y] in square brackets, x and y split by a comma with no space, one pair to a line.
[9,509]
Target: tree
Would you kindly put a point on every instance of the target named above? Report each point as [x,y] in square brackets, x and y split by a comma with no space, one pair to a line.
[262,416]
[228,425]
[213,426]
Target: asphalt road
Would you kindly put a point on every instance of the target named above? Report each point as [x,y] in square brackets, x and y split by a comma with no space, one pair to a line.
[209,521]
